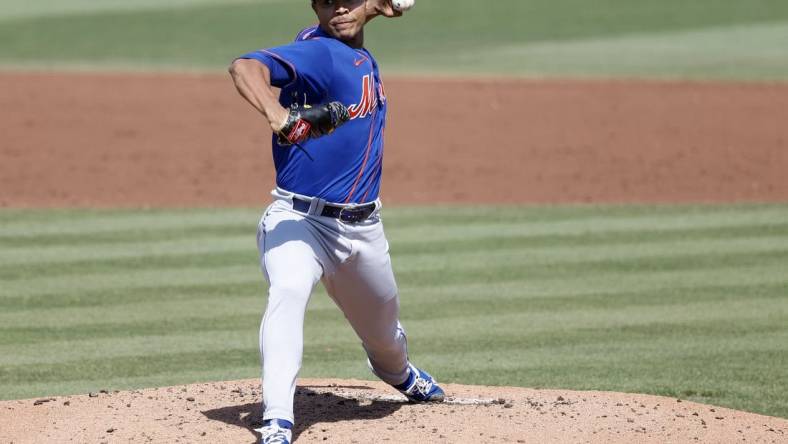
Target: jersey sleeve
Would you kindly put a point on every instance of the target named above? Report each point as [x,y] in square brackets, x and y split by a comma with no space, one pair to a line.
[308,60]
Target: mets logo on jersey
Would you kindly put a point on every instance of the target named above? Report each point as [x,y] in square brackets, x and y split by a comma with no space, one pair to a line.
[369,98]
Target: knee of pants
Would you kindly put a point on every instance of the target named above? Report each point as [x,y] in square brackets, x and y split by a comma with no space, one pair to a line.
[291,291]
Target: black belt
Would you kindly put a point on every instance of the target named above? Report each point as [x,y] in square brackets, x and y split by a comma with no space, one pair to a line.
[350,214]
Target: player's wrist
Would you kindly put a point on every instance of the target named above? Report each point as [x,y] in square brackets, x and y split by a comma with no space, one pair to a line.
[277,118]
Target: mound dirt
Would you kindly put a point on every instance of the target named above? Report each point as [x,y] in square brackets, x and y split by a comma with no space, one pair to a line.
[355,411]
[178,140]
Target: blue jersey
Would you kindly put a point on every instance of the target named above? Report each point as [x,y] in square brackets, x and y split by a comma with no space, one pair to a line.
[345,166]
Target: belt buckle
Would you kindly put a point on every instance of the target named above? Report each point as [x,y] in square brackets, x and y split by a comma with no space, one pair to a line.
[353,215]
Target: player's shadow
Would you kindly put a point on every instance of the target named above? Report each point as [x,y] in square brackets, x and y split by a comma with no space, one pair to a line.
[311,407]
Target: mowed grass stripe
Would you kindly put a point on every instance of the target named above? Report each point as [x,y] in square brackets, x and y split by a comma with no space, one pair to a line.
[123,314]
[417,305]
[88,222]
[471,215]
[590,225]
[597,343]
[138,295]
[501,321]
[149,338]
[195,233]
[132,366]
[22,255]
[163,263]
[632,275]
[23,336]
[603,252]
[630,360]
[408,266]
[600,301]
[706,336]
[182,247]
[139,345]
[620,348]
[578,275]
[240,244]
[402,221]
[551,296]
[523,267]
[519,266]
[137,244]
[629,357]
[527,287]
[623,354]
[238,251]
[229,275]
[494,242]
[131,236]
[648,340]
[410,272]
[229,305]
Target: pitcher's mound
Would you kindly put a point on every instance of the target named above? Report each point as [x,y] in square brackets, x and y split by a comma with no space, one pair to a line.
[354,411]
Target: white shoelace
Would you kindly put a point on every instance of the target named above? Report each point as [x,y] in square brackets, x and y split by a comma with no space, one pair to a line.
[274,435]
[422,385]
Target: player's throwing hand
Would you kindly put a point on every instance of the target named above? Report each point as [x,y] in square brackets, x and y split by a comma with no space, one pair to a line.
[381,7]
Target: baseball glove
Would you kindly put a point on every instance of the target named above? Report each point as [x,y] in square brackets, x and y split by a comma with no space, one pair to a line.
[304,122]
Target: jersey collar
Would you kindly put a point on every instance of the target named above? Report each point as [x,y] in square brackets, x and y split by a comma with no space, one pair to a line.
[316,32]
[319,33]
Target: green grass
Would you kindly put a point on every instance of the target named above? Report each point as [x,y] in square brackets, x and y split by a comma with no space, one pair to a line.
[38,8]
[682,301]
[726,39]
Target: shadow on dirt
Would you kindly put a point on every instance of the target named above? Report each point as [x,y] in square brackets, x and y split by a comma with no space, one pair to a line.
[311,407]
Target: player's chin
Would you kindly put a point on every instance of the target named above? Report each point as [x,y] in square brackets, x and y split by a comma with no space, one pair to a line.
[346,31]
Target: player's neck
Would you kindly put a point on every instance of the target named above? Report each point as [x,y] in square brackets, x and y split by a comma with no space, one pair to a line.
[357,41]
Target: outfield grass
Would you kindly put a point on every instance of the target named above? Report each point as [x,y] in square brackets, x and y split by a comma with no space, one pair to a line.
[684,301]
[640,38]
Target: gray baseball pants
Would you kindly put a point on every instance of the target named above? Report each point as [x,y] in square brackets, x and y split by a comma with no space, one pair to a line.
[296,251]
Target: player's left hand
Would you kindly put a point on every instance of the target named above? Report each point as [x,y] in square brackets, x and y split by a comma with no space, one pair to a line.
[381,7]
[304,122]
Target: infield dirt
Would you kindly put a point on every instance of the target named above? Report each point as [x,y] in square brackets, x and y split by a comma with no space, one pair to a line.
[167,140]
[163,141]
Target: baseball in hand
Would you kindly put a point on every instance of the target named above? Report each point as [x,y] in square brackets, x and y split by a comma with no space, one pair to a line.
[402,5]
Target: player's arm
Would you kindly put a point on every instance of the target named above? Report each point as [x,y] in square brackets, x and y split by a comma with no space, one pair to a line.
[253,81]
[377,8]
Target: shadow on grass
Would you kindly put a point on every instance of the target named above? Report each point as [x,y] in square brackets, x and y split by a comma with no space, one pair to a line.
[311,407]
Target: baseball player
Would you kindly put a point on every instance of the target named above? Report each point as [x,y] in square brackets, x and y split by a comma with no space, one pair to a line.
[324,223]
